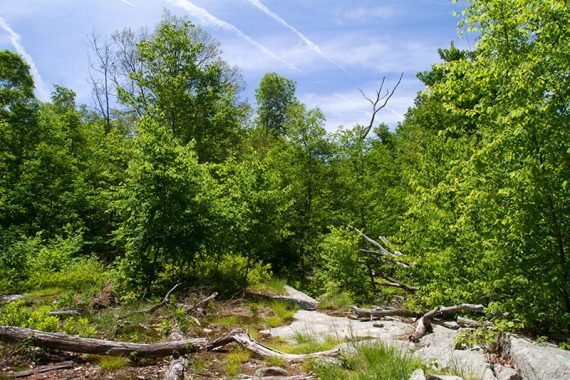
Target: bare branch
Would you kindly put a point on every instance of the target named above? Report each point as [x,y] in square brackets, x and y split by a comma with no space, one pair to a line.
[379,102]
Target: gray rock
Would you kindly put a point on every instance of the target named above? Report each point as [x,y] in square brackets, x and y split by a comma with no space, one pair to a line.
[540,362]
[271,371]
[506,373]
[306,302]
[418,374]
[437,348]
[443,377]
[320,325]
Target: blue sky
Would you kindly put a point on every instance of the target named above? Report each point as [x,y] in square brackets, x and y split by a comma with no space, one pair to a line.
[330,48]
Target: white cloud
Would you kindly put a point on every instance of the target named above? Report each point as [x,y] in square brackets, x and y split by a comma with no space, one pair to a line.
[128,3]
[42,91]
[365,14]
[348,108]
[312,45]
[384,54]
[206,18]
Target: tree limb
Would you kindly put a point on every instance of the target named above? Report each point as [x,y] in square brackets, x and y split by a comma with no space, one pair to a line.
[154,308]
[106,347]
[423,325]
[377,103]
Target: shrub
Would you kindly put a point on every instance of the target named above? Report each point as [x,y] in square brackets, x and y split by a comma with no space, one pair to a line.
[343,268]
[17,314]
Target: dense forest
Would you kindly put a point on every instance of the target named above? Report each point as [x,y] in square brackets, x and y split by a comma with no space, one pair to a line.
[170,177]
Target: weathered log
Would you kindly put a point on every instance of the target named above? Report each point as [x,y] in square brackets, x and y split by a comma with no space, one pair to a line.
[154,308]
[177,368]
[242,338]
[72,343]
[43,369]
[423,324]
[379,313]
[466,322]
[63,313]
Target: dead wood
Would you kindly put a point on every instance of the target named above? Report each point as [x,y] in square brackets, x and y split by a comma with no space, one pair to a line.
[423,324]
[64,313]
[466,322]
[378,103]
[43,369]
[154,308]
[76,344]
[395,283]
[198,305]
[380,312]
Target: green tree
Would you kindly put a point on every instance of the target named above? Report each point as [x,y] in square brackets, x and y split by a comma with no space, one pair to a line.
[274,96]
[166,205]
[179,78]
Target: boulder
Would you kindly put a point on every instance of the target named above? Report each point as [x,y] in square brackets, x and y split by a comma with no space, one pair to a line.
[534,361]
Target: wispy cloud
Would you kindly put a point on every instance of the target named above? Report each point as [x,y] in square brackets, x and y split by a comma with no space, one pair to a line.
[348,108]
[128,3]
[313,46]
[206,18]
[42,91]
[365,14]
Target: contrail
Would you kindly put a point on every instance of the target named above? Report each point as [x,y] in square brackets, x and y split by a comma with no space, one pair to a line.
[313,46]
[42,91]
[207,18]
[128,3]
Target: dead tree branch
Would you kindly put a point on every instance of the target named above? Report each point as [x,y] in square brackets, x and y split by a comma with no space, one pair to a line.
[378,102]
[423,325]
[151,310]
[43,369]
[76,344]
[371,314]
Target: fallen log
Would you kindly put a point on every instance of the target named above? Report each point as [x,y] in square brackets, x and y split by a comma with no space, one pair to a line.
[76,344]
[466,322]
[423,324]
[64,313]
[379,313]
[43,369]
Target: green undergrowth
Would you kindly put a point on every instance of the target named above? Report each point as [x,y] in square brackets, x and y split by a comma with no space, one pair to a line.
[372,360]
[305,343]
[274,286]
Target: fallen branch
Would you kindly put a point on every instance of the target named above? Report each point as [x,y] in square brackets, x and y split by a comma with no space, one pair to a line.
[395,283]
[383,251]
[375,256]
[379,313]
[423,325]
[151,310]
[43,369]
[59,313]
[466,322]
[76,344]
[198,304]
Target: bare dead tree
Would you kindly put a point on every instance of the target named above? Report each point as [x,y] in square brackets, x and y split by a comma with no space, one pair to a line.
[100,66]
[378,102]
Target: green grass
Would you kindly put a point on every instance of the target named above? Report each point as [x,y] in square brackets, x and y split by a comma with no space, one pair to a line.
[275,286]
[234,360]
[109,363]
[372,360]
[305,343]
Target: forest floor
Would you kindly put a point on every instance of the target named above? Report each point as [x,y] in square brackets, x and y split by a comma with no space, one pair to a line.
[277,324]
